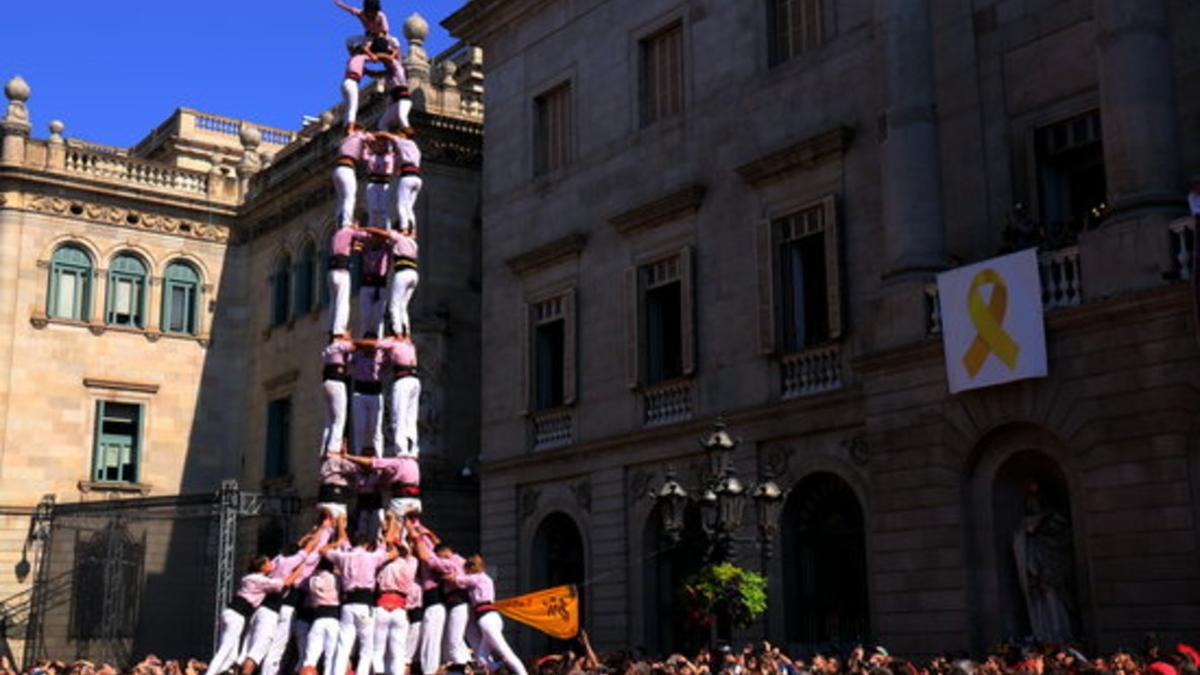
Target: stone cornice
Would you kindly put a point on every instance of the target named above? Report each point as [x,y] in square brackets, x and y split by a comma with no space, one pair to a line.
[21,176]
[661,210]
[800,155]
[119,216]
[282,380]
[480,18]
[120,385]
[547,254]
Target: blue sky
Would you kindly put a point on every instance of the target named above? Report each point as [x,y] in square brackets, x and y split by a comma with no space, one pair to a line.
[112,70]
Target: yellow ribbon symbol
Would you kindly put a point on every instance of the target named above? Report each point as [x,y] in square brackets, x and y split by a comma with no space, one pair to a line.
[988,320]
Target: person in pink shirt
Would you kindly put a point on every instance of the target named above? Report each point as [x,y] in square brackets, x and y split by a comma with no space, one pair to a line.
[323,609]
[408,178]
[405,277]
[433,613]
[374,21]
[481,591]
[400,478]
[337,472]
[357,568]
[341,247]
[375,45]
[295,596]
[260,634]
[335,373]
[379,156]
[345,175]
[367,365]
[373,277]
[405,396]
[253,589]
[395,582]
[443,562]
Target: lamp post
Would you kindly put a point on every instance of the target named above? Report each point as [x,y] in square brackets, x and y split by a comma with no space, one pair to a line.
[722,500]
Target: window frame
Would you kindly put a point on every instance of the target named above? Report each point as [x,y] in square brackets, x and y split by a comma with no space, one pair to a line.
[282,465]
[138,442]
[193,289]
[645,46]
[281,307]
[306,276]
[544,310]
[140,282]
[541,146]
[637,283]
[778,53]
[83,275]
[771,296]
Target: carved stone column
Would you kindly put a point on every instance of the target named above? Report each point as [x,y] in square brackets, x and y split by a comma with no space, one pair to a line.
[15,125]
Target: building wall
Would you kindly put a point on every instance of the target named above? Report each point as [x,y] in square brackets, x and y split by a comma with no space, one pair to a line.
[754,142]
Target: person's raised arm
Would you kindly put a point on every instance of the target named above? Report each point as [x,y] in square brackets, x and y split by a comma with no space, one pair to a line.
[353,10]
[361,461]
[422,549]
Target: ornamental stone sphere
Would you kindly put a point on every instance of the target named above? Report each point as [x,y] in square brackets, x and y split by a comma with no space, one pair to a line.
[416,28]
[17,89]
[57,127]
[250,137]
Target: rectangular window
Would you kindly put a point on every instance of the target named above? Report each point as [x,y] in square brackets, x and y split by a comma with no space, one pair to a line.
[117,442]
[665,320]
[181,301]
[279,424]
[1071,178]
[70,293]
[125,295]
[803,280]
[794,27]
[549,354]
[552,131]
[662,71]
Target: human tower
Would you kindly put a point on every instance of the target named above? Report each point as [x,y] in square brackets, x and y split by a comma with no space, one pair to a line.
[372,581]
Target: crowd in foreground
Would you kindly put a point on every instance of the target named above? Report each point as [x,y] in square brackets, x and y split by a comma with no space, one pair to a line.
[764,659]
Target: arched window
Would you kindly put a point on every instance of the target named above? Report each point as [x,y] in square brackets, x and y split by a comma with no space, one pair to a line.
[281,289]
[181,297]
[70,293]
[306,277]
[126,292]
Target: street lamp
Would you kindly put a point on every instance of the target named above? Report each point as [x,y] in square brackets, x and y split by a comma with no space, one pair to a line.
[722,499]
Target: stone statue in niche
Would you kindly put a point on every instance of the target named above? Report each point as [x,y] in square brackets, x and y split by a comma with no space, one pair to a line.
[1042,546]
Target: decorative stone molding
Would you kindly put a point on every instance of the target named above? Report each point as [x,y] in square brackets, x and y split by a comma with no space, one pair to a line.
[528,502]
[140,489]
[111,215]
[639,484]
[775,461]
[282,380]
[38,319]
[801,155]
[547,254]
[120,385]
[857,449]
[583,495]
[664,209]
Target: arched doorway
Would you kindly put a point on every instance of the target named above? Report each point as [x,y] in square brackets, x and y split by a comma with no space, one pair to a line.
[558,558]
[1034,549]
[824,564]
[666,566]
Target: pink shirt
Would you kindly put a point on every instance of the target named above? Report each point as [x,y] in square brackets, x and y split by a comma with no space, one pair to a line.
[415,597]
[367,365]
[398,576]
[402,353]
[323,590]
[352,145]
[366,482]
[337,470]
[358,566]
[480,588]
[343,240]
[310,563]
[257,586]
[403,246]
[375,26]
[337,353]
[379,163]
[447,567]
[393,470]
[285,565]
[408,151]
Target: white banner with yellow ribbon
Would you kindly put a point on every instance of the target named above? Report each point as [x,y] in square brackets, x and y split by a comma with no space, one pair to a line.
[992,326]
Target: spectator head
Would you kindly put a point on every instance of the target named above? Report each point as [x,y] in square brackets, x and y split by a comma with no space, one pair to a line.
[475,565]
[260,564]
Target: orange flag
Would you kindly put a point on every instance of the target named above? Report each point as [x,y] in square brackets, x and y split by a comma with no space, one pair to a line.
[554,611]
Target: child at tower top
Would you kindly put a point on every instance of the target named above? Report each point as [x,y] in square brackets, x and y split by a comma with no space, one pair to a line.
[374,21]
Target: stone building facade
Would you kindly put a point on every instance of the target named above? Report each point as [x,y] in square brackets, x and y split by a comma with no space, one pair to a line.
[697,207]
[143,338]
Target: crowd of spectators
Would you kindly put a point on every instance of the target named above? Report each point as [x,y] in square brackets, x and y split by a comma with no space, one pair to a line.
[1153,658]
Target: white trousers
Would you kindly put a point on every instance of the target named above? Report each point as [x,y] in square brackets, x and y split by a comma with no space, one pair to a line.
[404,404]
[372,304]
[368,427]
[432,627]
[407,189]
[379,205]
[398,111]
[455,641]
[345,182]
[350,96]
[391,640]
[358,624]
[335,415]
[232,624]
[413,641]
[492,643]
[259,635]
[339,298]
[279,642]
[322,639]
[400,291]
